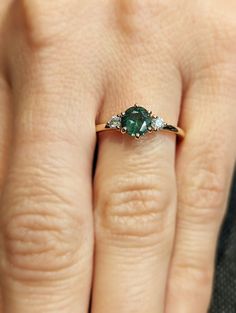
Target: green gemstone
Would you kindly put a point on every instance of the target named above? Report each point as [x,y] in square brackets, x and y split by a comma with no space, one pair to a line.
[136,121]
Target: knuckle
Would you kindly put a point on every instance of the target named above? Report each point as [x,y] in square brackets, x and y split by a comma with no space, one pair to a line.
[137,208]
[137,16]
[38,244]
[41,232]
[139,7]
[205,193]
[138,22]
[42,21]
[225,30]
[197,275]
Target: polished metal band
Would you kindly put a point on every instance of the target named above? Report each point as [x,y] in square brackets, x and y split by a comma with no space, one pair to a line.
[166,128]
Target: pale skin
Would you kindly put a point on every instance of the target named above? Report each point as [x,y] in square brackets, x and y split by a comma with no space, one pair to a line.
[140,236]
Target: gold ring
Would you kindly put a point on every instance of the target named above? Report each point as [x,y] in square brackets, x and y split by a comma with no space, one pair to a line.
[136,121]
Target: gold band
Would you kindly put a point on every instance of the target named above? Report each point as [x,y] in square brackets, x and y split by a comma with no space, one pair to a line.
[167,129]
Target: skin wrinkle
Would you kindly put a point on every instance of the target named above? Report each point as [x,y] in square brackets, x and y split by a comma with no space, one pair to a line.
[120,208]
[132,214]
[58,241]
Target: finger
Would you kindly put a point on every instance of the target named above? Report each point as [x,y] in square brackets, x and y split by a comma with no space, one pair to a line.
[5,129]
[204,168]
[5,137]
[5,110]
[135,197]
[46,215]
[5,101]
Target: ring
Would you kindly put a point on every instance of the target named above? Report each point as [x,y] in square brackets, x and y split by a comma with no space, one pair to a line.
[136,121]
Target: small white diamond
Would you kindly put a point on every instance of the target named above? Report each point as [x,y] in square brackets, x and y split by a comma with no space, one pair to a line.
[115,122]
[157,123]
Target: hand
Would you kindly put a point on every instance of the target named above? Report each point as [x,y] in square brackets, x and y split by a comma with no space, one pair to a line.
[66,65]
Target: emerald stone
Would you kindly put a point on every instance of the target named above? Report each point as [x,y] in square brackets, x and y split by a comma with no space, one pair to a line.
[136,121]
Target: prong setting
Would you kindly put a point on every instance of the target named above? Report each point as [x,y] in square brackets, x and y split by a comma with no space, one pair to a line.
[123,130]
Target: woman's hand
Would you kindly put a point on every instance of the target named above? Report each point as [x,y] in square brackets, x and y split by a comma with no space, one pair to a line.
[157,209]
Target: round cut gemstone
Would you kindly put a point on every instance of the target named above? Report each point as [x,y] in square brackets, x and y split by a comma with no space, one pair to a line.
[136,121]
[115,122]
[157,123]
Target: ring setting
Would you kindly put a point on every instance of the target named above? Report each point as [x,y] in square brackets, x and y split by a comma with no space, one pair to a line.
[137,121]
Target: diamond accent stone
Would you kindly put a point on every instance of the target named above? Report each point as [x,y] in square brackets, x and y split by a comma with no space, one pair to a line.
[157,123]
[115,122]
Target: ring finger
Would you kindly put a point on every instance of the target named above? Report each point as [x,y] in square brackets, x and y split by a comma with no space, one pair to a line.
[135,197]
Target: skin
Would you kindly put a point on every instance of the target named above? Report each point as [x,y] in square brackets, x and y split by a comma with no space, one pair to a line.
[154,207]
